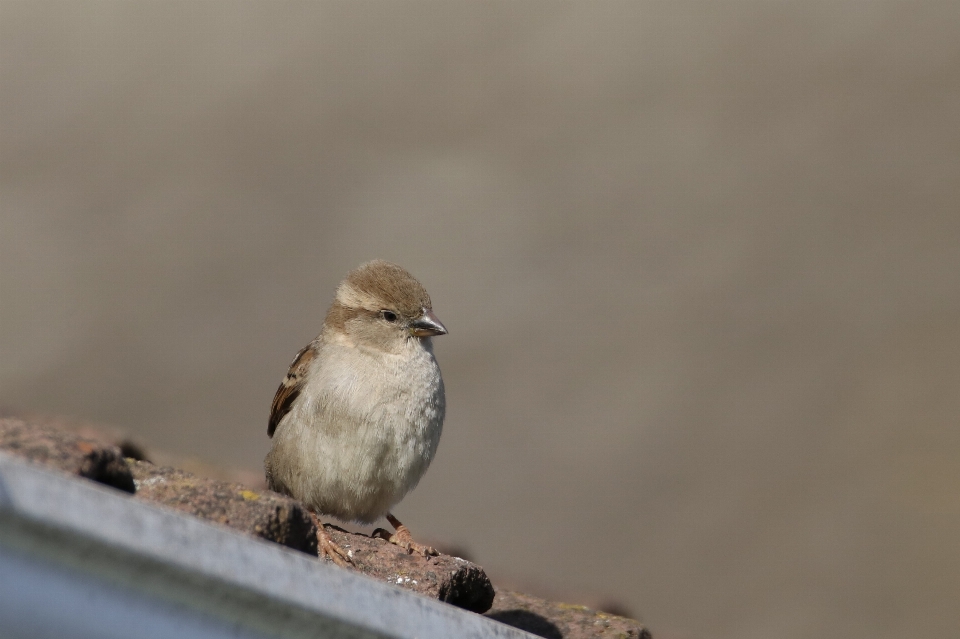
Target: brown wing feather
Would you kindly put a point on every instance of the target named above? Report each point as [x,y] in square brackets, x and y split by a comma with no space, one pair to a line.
[290,387]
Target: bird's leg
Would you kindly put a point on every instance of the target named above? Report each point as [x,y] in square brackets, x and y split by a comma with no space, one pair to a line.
[327,547]
[404,539]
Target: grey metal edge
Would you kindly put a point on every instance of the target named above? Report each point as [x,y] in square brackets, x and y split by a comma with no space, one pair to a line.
[80,559]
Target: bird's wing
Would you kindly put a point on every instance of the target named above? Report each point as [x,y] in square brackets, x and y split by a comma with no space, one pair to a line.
[290,387]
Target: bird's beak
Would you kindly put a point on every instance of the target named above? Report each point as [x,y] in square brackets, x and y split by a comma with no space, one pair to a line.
[427,324]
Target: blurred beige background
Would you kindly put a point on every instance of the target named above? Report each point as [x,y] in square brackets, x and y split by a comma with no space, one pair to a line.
[700,262]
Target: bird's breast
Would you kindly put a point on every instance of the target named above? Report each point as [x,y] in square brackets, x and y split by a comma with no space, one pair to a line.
[366,428]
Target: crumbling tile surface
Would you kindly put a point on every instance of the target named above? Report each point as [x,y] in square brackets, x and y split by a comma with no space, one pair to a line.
[98,460]
[263,514]
[554,620]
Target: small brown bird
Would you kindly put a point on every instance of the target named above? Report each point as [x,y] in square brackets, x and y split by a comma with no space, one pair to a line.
[357,420]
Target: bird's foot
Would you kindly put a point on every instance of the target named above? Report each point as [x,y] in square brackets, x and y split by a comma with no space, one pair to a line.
[404,539]
[326,547]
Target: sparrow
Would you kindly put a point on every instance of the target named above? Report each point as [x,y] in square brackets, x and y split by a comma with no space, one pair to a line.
[356,421]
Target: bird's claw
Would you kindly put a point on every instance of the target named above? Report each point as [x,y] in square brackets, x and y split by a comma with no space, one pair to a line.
[403,539]
[326,547]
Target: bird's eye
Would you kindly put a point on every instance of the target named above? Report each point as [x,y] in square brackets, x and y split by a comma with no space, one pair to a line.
[390,316]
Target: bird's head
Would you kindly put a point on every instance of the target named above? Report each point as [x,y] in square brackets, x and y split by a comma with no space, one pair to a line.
[381,305]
